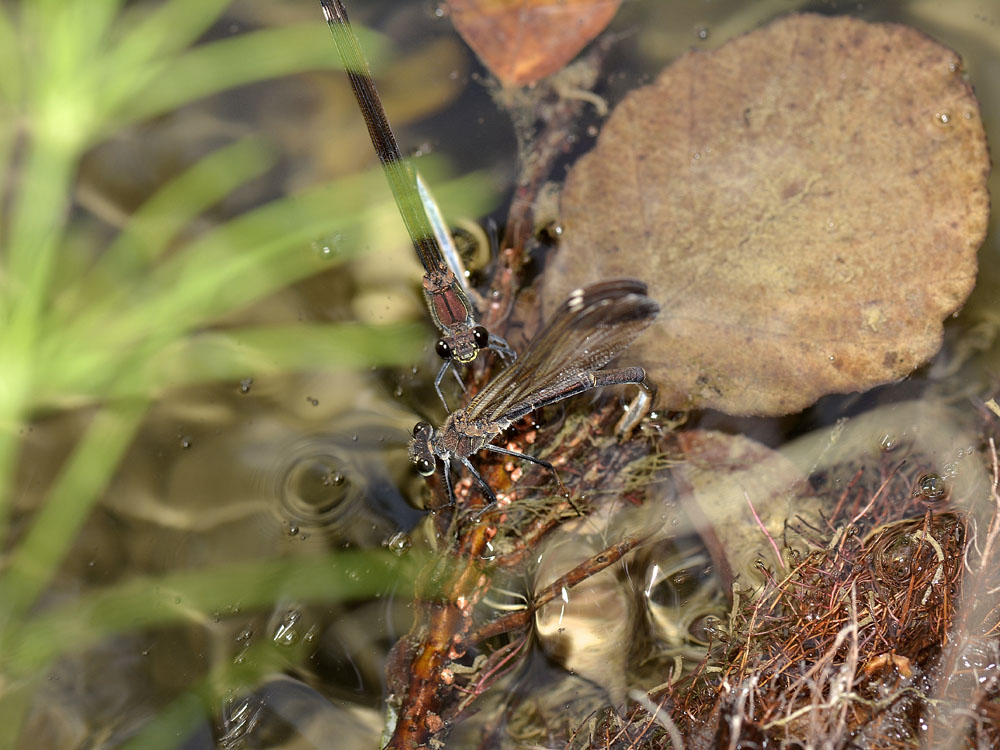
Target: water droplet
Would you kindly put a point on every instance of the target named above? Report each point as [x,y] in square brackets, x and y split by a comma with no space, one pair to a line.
[313,401]
[293,530]
[245,385]
[703,33]
[329,248]
[286,633]
[186,442]
[888,442]
[398,543]
[931,487]
[592,131]
[943,118]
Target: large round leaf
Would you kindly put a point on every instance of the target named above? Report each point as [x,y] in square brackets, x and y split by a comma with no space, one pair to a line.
[805,203]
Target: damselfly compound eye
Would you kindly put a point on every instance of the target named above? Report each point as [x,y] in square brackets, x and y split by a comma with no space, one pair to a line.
[424,467]
[481,336]
[442,349]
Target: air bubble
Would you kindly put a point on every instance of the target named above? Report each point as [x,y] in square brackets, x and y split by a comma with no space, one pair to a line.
[399,543]
[286,633]
[888,442]
[931,487]
[329,248]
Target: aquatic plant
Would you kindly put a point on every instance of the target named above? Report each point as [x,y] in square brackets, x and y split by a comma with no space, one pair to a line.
[105,321]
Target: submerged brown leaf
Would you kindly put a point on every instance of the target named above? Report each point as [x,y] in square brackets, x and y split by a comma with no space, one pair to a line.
[524,40]
[805,202]
[746,501]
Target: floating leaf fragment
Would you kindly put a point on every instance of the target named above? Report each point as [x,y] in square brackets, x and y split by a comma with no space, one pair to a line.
[805,202]
[524,40]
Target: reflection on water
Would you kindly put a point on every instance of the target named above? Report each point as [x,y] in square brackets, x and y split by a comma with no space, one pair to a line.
[284,712]
[325,485]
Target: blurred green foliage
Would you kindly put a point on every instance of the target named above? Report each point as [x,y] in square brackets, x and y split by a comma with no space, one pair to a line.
[111,334]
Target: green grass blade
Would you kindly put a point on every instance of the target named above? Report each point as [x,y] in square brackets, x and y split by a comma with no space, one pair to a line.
[36,225]
[233,355]
[10,62]
[220,272]
[154,226]
[224,270]
[78,486]
[247,58]
[165,29]
[148,601]
[255,352]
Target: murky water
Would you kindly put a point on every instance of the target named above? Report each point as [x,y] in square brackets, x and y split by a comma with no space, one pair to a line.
[250,561]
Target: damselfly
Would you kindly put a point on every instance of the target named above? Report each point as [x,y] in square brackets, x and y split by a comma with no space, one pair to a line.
[590,328]
[447,300]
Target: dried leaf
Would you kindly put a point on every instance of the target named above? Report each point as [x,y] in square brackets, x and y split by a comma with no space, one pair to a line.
[805,203]
[524,40]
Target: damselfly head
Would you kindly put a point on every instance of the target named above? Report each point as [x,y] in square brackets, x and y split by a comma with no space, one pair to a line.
[464,346]
[421,449]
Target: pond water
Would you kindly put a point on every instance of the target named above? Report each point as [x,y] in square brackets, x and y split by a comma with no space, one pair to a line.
[214,531]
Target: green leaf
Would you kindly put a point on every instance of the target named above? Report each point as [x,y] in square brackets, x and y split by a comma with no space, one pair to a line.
[247,58]
[79,484]
[149,601]
[152,228]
